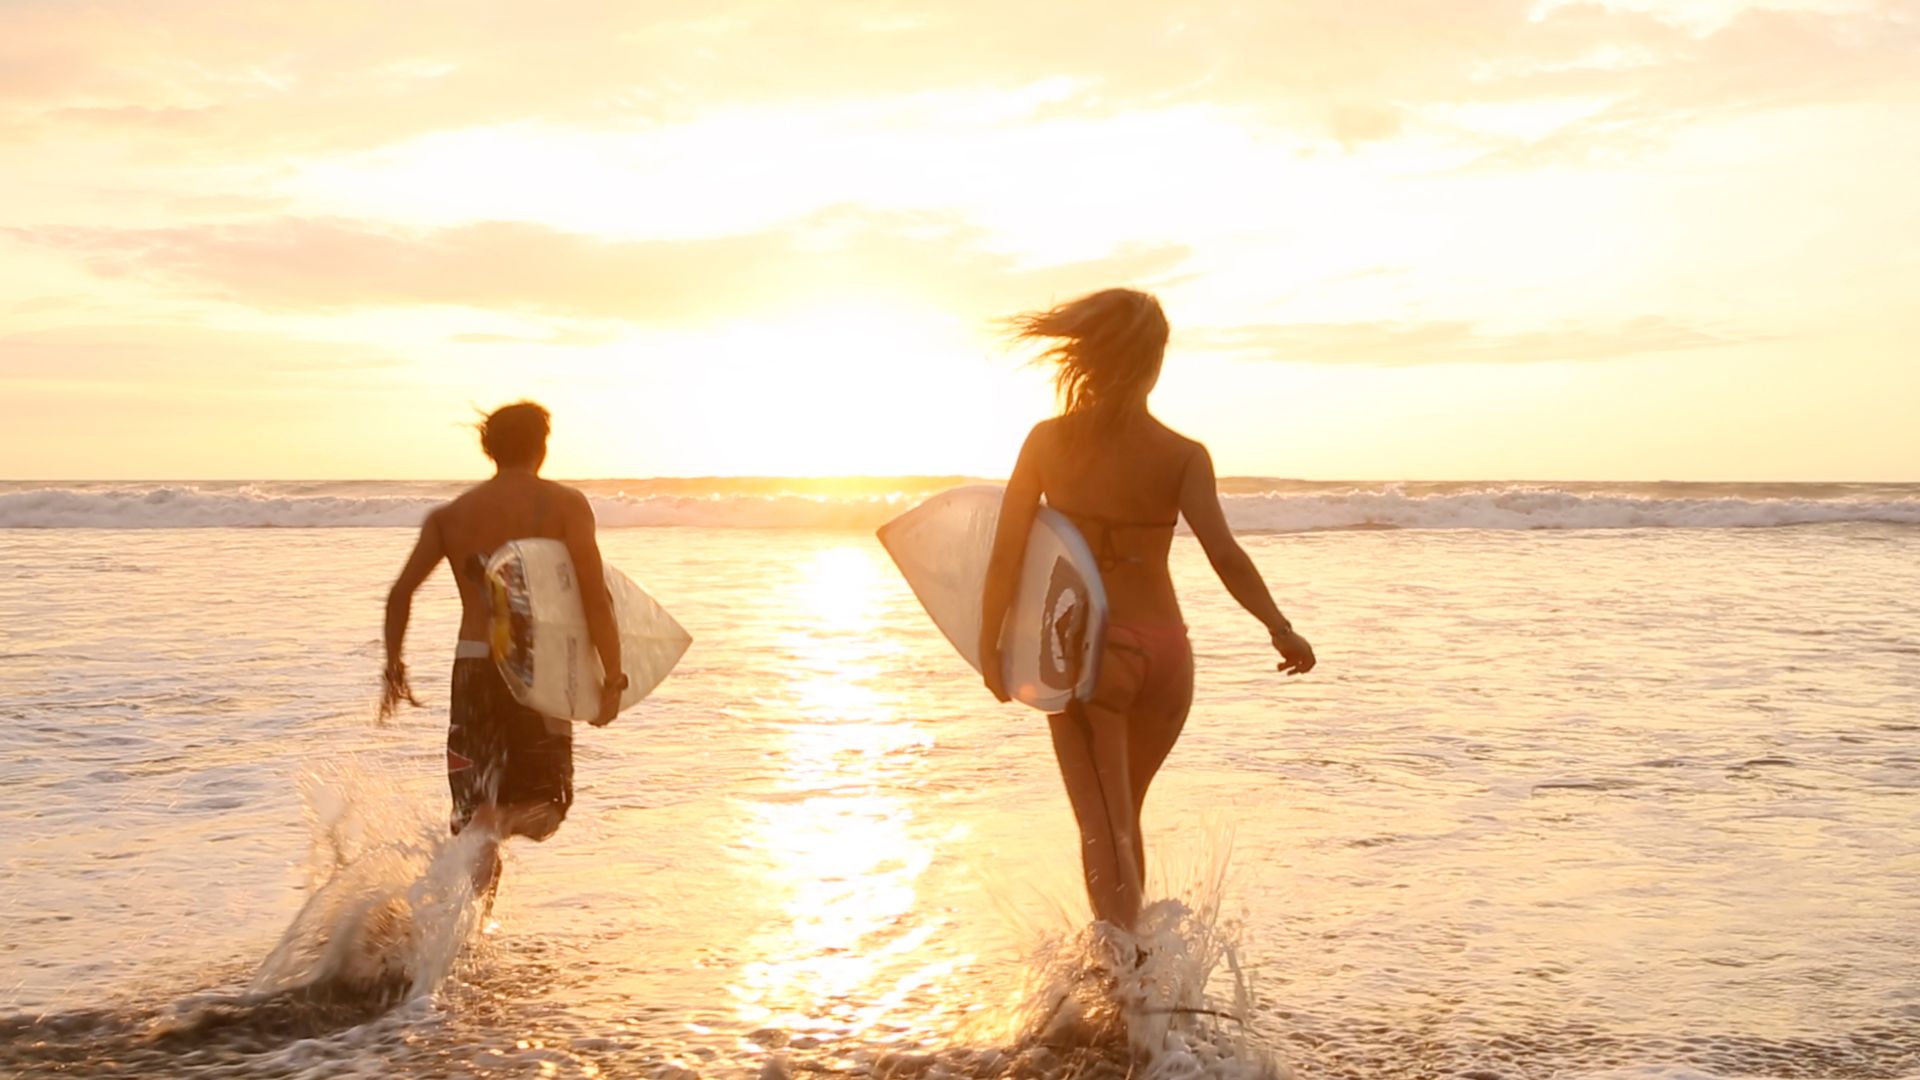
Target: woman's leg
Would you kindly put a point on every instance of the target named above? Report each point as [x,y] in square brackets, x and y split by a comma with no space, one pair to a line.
[1091,743]
[1154,725]
[1108,735]
[1092,750]
[1076,772]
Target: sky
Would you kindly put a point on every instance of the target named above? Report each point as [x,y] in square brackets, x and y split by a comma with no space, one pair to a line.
[1441,239]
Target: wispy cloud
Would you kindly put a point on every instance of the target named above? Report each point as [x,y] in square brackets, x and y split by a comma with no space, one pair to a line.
[310,80]
[321,265]
[563,336]
[1404,344]
[1664,79]
[133,355]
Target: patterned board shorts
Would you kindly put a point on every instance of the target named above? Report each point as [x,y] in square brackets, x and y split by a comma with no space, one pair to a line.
[499,751]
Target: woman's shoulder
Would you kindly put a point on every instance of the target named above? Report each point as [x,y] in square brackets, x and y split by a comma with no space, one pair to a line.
[1046,433]
[1175,442]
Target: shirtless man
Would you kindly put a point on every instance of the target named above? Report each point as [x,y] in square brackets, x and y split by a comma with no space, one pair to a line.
[509,768]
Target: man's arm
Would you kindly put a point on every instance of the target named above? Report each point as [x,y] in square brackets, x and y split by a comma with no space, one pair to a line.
[584,547]
[427,553]
[1017,510]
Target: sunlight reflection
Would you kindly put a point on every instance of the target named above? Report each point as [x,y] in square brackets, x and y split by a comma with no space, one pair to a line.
[843,848]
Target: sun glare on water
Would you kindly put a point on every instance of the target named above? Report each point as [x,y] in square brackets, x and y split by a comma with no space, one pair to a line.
[839,846]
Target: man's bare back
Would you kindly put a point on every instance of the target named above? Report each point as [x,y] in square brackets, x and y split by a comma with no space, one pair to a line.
[515,505]
[511,506]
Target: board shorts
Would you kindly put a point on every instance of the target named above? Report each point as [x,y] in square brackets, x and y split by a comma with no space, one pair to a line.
[500,752]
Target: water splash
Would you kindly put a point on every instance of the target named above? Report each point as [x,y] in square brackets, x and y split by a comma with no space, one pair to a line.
[1169,1001]
[391,902]
[390,909]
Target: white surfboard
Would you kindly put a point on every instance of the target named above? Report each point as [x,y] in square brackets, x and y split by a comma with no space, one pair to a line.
[1050,644]
[539,632]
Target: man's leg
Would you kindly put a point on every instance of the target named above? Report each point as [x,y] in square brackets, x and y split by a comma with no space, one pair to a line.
[487,823]
[478,746]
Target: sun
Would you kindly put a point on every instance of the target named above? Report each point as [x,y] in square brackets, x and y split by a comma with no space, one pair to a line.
[846,389]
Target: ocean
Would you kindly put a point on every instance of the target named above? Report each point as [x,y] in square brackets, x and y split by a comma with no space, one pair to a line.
[1593,780]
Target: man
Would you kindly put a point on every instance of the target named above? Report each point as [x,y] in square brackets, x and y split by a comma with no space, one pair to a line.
[510,769]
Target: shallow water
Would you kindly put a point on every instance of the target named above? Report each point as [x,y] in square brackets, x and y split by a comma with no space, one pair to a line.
[1555,803]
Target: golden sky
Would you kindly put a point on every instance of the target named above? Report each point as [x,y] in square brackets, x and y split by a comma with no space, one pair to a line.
[1460,239]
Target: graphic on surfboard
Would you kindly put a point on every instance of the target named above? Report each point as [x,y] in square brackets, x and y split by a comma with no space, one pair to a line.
[539,632]
[1050,644]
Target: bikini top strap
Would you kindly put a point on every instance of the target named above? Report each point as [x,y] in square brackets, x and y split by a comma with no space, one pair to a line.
[1108,523]
[1104,551]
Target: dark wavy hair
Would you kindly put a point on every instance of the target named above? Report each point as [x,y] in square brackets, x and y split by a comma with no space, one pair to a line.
[1107,347]
[515,435]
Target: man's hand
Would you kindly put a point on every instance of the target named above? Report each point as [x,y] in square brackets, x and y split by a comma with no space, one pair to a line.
[610,692]
[1295,653]
[394,690]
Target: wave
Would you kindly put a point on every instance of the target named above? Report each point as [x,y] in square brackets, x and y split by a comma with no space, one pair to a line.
[1294,507]
[191,508]
[187,507]
[1521,508]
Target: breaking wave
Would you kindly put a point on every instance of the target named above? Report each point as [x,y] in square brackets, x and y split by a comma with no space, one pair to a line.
[1252,505]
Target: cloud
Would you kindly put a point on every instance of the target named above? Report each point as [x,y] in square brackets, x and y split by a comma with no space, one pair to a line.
[208,76]
[568,336]
[1664,79]
[1405,344]
[128,354]
[1352,125]
[298,264]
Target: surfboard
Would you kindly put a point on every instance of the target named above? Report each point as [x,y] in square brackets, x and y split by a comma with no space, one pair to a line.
[539,632]
[1050,644]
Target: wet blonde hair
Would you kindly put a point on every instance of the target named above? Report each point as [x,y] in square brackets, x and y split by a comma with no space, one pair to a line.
[1107,347]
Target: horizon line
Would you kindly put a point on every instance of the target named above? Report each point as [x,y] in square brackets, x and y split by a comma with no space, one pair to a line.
[917,479]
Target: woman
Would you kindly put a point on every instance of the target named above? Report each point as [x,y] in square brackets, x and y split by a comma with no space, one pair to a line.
[1124,478]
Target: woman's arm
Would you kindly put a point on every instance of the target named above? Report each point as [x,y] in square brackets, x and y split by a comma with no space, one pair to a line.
[1200,505]
[1017,509]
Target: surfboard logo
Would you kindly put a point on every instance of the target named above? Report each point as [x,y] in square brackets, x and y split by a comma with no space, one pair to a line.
[511,620]
[1066,622]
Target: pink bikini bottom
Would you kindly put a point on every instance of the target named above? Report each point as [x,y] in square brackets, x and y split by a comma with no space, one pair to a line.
[1147,669]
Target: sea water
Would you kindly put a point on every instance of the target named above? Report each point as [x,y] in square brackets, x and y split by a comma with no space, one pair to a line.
[1592,781]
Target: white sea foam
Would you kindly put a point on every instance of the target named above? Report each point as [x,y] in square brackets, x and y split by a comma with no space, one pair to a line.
[1526,507]
[1279,507]
[188,507]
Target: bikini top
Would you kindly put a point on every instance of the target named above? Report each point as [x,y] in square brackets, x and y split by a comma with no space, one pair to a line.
[1104,552]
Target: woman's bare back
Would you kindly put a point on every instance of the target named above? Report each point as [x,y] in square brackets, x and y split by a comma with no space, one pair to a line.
[1122,486]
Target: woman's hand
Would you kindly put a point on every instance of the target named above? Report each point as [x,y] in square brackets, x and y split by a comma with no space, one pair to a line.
[993,673]
[1295,652]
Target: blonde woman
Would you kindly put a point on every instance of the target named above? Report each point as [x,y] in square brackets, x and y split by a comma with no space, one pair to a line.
[1125,479]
